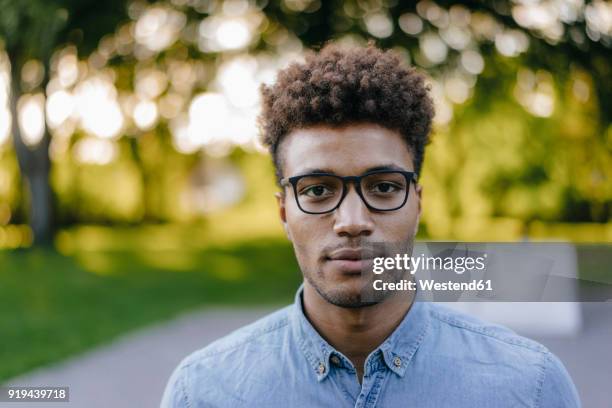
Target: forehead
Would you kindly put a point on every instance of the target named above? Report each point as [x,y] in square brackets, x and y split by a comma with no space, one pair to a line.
[350,150]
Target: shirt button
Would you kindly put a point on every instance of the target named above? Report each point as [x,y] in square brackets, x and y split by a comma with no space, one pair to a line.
[397,362]
[335,360]
[321,368]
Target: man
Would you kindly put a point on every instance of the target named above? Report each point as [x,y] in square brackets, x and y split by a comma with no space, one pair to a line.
[347,131]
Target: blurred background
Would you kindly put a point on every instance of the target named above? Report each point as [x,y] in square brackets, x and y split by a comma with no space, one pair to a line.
[133,185]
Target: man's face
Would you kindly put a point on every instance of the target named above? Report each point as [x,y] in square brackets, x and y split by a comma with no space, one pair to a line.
[325,244]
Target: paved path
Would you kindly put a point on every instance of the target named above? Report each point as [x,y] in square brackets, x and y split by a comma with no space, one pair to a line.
[588,355]
[132,371]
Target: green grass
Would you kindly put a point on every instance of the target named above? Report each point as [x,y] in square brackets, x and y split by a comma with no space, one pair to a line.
[53,306]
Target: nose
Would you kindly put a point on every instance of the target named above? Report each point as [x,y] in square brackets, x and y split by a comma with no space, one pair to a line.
[353,218]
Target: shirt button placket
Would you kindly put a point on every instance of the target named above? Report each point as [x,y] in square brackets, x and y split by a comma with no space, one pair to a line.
[370,389]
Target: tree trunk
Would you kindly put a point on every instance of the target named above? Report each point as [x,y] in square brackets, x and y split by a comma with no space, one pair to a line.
[34,165]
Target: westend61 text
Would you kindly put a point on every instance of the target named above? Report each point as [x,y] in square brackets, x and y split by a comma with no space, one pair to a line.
[431,285]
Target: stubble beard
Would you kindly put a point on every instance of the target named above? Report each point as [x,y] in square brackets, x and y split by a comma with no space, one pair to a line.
[351,299]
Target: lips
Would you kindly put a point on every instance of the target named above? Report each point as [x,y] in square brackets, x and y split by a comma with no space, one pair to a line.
[350,260]
[349,254]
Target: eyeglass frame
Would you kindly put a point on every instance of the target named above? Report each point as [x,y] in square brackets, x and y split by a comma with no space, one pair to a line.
[410,176]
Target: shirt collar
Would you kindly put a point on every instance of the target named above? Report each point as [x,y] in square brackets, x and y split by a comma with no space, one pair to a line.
[397,350]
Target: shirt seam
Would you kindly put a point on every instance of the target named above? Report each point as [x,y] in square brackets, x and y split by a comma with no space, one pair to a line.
[410,350]
[417,343]
[310,358]
[542,377]
[276,326]
[184,389]
[483,331]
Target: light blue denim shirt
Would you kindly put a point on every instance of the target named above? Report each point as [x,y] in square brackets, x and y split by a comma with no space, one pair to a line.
[436,357]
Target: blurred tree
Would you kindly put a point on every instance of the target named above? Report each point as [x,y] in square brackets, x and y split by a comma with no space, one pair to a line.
[564,41]
[31,31]
[559,168]
[527,82]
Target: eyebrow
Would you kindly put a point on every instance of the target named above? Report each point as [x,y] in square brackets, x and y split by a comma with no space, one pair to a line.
[389,166]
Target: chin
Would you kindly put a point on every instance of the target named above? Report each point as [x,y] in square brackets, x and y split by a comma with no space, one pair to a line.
[347,295]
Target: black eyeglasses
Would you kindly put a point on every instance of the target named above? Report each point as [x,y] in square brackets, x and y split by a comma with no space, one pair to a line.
[380,190]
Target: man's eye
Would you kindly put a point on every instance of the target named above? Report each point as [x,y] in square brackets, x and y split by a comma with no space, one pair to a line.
[317,191]
[385,187]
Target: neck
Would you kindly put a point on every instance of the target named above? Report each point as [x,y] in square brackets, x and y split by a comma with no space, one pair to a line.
[355,332]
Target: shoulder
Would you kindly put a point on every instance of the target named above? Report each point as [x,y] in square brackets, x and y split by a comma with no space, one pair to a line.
[264,331]
[513,358]
[219,367]
[452,321]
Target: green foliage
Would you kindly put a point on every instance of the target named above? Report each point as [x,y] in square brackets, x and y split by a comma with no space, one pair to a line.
[44,20]
[10,193]
[494,160]
[33,29]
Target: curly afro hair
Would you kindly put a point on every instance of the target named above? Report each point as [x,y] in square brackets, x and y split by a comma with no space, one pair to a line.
[339,86]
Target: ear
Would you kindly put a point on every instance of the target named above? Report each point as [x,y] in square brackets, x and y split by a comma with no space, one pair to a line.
[280,199]
[418,189]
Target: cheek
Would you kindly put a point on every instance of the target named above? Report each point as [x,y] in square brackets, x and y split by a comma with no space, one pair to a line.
[397,226]
[304,229]
[295,222]
[309,235]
